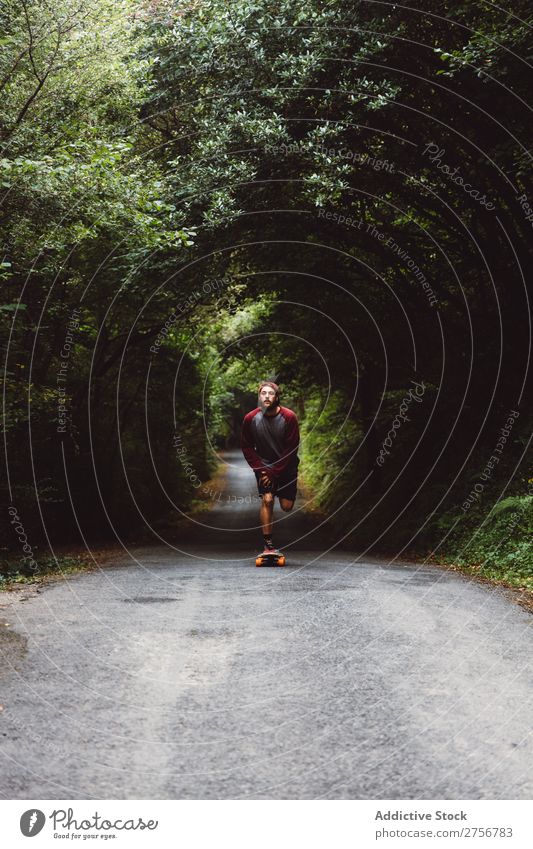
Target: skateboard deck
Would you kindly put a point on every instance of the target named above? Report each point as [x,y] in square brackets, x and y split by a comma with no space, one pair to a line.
[270,559]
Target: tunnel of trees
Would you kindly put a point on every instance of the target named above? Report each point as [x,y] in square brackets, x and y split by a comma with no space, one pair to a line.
[197,195]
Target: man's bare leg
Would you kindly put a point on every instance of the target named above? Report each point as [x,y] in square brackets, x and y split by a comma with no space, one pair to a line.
[266,513]
[286,505]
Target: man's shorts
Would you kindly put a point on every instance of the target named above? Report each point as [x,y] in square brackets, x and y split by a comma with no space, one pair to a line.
[283,486]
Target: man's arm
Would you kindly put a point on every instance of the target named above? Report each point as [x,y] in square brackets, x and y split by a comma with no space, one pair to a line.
[292,441]
[252,457]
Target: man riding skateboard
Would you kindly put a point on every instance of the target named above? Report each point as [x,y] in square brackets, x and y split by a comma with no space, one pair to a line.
[269,440]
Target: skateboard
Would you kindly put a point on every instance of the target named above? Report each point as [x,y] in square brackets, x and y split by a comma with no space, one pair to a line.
[274,559]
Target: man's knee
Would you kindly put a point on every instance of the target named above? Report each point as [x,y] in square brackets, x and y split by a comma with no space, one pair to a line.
[286,505]
[268,498]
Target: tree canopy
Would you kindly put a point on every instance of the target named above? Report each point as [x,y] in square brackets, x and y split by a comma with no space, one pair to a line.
[198,194]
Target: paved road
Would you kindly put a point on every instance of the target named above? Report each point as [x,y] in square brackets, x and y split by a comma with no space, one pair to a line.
[195,675]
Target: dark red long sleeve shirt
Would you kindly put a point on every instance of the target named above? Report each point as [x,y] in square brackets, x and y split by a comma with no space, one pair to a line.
[270,443]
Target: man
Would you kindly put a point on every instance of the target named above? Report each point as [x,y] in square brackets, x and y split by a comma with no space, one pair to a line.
[269,439]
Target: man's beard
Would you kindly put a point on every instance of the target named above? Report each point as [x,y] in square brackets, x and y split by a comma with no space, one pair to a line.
[266,407]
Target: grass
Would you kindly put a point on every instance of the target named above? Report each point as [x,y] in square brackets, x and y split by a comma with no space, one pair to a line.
[494,544]
[12,574]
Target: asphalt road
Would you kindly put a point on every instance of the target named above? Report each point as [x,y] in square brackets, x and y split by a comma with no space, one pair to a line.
[192,674]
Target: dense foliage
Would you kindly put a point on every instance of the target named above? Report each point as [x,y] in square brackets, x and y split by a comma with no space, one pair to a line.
[203,193]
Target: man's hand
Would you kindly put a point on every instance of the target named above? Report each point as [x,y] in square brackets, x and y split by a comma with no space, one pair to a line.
[265,479]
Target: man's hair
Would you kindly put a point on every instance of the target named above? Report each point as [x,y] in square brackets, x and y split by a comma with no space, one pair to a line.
[270,383]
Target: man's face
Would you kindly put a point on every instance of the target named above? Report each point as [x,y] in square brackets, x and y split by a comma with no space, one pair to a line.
[267,398]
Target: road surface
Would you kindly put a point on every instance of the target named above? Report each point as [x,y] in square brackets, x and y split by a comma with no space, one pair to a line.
[184,674]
